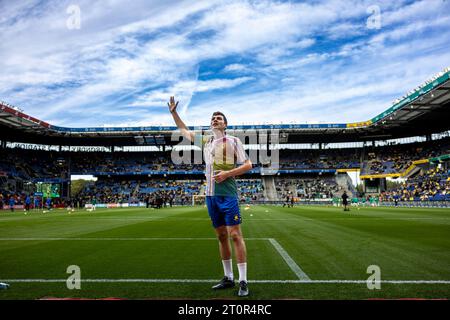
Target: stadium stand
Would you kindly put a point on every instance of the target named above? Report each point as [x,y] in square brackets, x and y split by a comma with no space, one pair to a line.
[123,177]
[429,185]
[396,159]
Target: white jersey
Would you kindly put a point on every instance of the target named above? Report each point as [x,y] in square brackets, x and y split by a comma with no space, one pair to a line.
[223,153]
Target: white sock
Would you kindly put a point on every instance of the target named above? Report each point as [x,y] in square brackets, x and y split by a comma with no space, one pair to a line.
[228,268]
[242,267]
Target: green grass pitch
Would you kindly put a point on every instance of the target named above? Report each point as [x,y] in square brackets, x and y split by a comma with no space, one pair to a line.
[293,253]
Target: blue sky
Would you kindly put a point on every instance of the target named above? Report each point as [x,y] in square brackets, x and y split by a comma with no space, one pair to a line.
[257,61]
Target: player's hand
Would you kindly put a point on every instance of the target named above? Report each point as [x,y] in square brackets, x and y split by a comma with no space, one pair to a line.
[172,105]
[221,176]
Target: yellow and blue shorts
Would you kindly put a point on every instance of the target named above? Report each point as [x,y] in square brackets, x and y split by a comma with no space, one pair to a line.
[223,210]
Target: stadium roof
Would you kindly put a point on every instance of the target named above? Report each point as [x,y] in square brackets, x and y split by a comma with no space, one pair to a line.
[423,111]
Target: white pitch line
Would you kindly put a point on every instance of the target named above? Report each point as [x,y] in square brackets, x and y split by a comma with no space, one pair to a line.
[215,280]
[290,262]
[100,239]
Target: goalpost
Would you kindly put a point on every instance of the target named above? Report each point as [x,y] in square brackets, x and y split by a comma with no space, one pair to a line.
[198,199]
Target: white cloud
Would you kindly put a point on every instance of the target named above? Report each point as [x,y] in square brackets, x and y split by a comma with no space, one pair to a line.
[188,88]
[235,67]
[414,12]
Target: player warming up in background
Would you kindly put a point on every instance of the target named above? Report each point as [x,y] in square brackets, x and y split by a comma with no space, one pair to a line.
[345,201]
[222,153]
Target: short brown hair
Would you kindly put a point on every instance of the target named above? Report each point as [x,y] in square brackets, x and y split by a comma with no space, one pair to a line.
[218,113]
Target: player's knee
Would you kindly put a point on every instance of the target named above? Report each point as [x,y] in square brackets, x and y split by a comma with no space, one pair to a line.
[222,236]
[235,235]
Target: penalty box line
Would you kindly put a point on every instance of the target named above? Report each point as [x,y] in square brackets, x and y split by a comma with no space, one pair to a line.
[290,262]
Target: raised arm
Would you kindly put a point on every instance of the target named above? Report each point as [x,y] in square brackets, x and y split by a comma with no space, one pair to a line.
[180,124]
